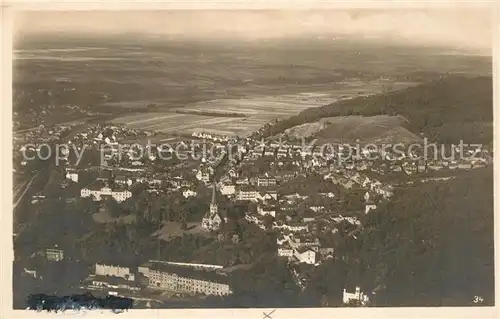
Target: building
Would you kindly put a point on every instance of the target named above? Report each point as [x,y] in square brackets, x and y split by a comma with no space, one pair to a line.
[189,193]
[268,196]
[54,254]
[114,271]
[72,175]
[356,297]
[369,207]
[305,255]
[247,193]
[97,282]
[212,220]
[226,189]
[266,181]
[266,210]
[185,279]
[203,176]
[98,193]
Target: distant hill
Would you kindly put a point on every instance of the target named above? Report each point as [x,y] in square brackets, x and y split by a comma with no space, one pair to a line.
[348,129]
[444,110]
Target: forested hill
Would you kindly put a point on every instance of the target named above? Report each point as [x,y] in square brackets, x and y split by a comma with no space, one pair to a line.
[445,110]
[432,245]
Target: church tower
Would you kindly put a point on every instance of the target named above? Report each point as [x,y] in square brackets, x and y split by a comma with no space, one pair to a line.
[213,204]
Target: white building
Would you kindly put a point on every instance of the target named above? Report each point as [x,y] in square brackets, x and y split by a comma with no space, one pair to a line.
[212,220]
[266,210]
[97,194]
[305,255]
[115,271]
[357,296]
[188,193]
[227,189]
[369,207]
[247,194]
[266,181]
[267,196]
[73,176]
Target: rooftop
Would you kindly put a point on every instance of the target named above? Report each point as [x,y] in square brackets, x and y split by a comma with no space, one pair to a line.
[188,272]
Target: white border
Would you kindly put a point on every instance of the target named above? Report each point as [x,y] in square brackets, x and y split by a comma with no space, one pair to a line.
[6,215]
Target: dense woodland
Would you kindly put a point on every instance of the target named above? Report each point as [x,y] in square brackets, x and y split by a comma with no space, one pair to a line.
[431,245]
[445,110]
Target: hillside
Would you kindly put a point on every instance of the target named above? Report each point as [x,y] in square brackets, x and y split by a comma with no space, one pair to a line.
[348,129]
[432,252]
[445,110]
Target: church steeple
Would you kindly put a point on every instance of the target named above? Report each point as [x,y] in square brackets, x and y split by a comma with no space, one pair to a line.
[213,204]
[213,194]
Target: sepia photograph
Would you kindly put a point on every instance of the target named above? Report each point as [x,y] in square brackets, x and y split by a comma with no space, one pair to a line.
[307,158]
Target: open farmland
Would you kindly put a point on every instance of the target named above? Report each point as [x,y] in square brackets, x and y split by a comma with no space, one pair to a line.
[257,112]
[254,111]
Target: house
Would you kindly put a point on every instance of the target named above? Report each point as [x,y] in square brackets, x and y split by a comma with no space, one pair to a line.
[98,282]
[203,175]
[189,193]
[54,254]
[282,152]
[357,297]
[122,180]
[243,181]
[464,165]
[296,196]
[305,255]
[293,227]
[347,183]
[72,175]
[266,210]
[268,196]
[366,196]
[369,207]
[317,208]
[327,195]
[266,181]
[268,152]
[233,173]
[183,279]
[114,271]
[226,189]
[212,220]
[98,193]
[247,193]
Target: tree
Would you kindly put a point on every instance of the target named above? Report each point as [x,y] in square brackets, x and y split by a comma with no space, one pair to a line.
[437,252]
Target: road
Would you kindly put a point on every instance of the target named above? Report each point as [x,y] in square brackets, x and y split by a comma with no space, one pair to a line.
[20,191]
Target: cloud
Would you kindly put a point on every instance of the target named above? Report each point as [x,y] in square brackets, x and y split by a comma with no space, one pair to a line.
[458,27]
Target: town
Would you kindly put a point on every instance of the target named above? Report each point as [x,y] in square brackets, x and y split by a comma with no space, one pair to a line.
[306,200]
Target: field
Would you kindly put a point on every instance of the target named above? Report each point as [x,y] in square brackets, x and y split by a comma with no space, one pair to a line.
[254,111]
[381,129]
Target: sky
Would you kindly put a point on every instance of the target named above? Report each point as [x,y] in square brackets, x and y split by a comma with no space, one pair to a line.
[464,28]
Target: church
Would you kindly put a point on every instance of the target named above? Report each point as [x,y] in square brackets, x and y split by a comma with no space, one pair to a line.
[213,219]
